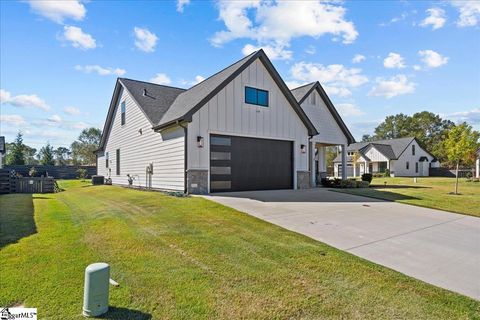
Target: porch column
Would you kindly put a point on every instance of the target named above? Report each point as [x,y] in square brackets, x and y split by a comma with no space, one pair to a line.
[312,165]
[344,161]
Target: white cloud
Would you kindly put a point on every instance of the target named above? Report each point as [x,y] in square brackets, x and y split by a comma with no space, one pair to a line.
[399,18]
[432,59]
[335,78]
[266,22]
[348,109]
[55,118]
[436,18]
[78,38]
[161,78]
[417,67]
[13,119]
[394,60]
[144,39]
[100,70]
[472,116]
[23,100]
[277,52]
[58,10]
[311,50]
[469,12]
[79,125]
[395,86]
[181,4]
[358,58]
[198,79]
[71,111]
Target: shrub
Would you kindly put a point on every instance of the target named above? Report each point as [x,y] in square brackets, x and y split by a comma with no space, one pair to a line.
[386,174]
[82,173]
[363,184]
[32,172]
[367,177]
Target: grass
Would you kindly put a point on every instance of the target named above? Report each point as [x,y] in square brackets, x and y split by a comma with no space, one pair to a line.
[189,258]
[430,192]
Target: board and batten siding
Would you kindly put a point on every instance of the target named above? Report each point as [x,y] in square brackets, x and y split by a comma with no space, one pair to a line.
[399,166]
[329,132]
[227,113]
[375,156]
[137,150]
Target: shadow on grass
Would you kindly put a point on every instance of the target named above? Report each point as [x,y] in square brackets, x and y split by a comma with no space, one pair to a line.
[397,186]
[119,313]
[16,218]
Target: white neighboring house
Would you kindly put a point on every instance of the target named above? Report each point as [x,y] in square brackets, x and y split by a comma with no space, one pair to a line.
[240,129]
[403,157]
[2,151]
[477,164]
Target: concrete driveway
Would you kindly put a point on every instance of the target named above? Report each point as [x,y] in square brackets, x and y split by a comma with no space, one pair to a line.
[435,246]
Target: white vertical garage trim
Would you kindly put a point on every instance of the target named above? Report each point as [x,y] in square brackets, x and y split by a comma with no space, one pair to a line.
[239,118]
[165,151]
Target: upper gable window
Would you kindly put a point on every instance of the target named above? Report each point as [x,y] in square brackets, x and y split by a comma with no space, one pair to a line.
[256,96]
[413,149]
[122,108]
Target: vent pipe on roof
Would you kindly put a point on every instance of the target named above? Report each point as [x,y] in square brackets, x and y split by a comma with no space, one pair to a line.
[144,92]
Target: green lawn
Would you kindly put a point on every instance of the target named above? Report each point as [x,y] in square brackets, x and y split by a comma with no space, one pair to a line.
[184,258]
[430,192]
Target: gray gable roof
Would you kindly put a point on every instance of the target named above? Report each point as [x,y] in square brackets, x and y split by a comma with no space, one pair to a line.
[391,148]
[190,101]
[301,93]
[153,99]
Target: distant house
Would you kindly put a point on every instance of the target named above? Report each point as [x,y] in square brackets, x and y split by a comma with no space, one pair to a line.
[2,151]
[402,157]
[477,164]
[240,129]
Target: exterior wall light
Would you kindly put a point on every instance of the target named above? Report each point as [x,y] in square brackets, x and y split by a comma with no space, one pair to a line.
[303,148]
[200,142]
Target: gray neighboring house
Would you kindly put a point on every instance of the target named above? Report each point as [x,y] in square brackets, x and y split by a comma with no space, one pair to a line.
[240,129]
[403,157]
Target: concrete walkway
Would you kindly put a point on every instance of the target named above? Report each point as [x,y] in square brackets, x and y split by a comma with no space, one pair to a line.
[435,246]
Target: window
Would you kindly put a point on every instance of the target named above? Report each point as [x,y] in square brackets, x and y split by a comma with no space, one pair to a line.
[416,167]
[407,165]
[413,149]
[106,160]
[220,156]
[256,96]
[220,170]
[220,141]
[118,162]
[122,106]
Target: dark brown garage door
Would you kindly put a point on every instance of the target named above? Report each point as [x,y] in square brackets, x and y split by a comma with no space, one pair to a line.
[242,164]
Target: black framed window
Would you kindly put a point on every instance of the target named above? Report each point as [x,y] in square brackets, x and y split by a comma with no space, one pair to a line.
[106,160]
[122,108]
[407,165]
[413,149]
[118,162]
[416,167]
[256,96]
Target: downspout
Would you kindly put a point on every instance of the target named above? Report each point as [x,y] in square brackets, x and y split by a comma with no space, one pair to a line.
[310,162]
[185,130]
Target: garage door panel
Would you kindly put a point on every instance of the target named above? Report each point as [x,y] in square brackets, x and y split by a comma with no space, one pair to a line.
[254,164]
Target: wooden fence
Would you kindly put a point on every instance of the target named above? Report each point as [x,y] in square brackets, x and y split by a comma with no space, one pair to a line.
[12,184]
[57,172]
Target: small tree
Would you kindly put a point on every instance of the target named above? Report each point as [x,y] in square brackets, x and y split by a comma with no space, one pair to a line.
[356,156]
[46,155]
[16,154]
[461,145]
[32,172]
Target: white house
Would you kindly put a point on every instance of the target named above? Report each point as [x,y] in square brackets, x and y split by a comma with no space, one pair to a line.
[477,164]
[403,157]
[2,151]
[240,129]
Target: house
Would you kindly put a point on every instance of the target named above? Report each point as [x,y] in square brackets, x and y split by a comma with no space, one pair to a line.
[240,129]
[403,157]
[477,164]
[3,151]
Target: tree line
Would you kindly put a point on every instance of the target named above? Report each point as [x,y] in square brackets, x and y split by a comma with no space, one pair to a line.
[81,151]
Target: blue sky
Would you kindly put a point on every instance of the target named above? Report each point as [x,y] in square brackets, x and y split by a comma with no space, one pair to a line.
[59,59]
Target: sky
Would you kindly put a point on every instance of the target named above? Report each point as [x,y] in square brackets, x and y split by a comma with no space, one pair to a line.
[59,60]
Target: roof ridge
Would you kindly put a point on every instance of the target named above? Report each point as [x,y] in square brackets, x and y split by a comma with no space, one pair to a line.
[304,85]
[152,83]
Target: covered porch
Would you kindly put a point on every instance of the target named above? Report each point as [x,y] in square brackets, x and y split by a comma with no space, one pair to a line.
[318,162]
[361,166]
